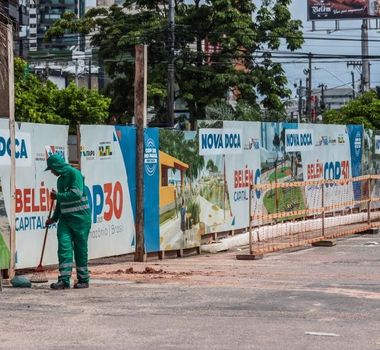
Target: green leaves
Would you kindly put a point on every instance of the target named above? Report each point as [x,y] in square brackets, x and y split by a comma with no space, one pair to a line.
[216,50]
[37,102]
[364,110]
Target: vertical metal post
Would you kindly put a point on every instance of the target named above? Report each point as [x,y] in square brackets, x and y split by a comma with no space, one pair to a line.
[323,208]
[89,73]
[12,135]
[250,218]
[299,102]
[353,85]
[139,117]
[76,72]
[171,42]
[365,62]
[309,87]
[369,201]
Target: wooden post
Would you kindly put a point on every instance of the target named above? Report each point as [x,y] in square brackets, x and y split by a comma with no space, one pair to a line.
[140,61]
[12,136]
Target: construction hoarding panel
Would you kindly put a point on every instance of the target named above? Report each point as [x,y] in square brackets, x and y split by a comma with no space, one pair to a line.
[108,161]
[180,182]
[112,229]
[335,154]
[342,9]
[34,142]
[241,171]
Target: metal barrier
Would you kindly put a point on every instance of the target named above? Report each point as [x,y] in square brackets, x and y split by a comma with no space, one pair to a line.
[291,214]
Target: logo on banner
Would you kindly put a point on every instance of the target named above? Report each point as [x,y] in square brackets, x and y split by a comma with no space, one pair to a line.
[105,150]
[150,157]
[40,157]
[341,139]
[299,140]
[220,141]
[358,143]
[323,141]
[252,144]
[88,154]
[50,150]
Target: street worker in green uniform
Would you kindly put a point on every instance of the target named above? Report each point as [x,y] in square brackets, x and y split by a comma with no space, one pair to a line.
[72,212]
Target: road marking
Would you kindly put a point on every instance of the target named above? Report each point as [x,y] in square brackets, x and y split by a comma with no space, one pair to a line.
[321,334]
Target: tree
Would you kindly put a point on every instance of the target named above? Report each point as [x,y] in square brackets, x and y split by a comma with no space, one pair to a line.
[39,102]
[364,110]
[238,62]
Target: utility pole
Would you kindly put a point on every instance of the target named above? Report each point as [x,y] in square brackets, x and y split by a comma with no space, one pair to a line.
[322,105]
[171,44]
[309,87]
[300,101]
[365,63]
[89,73]
[353,84]
[140,103]
[76,72]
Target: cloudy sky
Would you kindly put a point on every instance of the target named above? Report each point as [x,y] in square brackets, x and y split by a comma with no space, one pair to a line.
[332,74]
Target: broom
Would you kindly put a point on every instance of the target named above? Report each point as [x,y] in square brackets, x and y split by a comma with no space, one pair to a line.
[39,275]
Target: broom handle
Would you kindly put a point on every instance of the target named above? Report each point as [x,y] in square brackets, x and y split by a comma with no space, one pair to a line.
[46,232]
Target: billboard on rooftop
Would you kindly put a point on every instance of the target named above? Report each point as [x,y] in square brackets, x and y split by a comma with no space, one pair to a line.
[342,9]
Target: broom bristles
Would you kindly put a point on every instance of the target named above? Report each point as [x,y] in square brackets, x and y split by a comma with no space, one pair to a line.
[39,275]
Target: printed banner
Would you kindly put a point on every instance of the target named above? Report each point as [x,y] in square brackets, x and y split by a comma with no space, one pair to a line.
[180,188]
[342,9]
[298,140]
[106,178]
[33,186]
[220,141]
[336,155]
[241,172]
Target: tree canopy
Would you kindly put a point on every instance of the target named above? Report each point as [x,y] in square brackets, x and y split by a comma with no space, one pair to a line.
[364,110]
[43,102]
[221,47]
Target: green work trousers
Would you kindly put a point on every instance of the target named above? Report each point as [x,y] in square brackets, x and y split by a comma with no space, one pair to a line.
[73,236]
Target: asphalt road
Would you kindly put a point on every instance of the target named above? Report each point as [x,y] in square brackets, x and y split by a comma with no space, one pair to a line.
[316,298]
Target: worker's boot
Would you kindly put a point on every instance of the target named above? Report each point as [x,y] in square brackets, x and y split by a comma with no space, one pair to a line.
[59,285]
[81,285]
